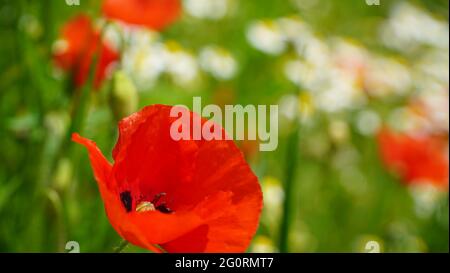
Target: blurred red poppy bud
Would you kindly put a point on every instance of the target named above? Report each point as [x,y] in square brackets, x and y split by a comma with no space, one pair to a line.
[78,46]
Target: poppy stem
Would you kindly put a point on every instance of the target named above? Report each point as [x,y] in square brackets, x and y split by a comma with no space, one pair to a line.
[123,244]
[157,249]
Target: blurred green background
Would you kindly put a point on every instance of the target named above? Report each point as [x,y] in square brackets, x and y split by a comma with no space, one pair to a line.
[339,71]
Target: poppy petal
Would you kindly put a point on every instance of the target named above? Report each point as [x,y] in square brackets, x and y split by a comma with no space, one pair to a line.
[76,34]
[145,137]
[100,165]
[415,159]
[83,42]
[220,166]
[211,197]
[154,14]
[159,228]
[102,172]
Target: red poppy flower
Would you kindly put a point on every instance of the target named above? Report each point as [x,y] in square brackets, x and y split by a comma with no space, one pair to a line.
[186,195]
[154,14]
[415,159]
[81,43]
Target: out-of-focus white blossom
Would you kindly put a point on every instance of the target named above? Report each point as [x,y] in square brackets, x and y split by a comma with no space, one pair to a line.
[338,131]
[218,61]
[263,244]
[435,103]
[331,88]
[342,75]
[273,192]
[300,73]
[426,197]
[267,36]
[288,106]
[294,29]
[435,64]
[60,46]
[112,35]
[146,57]
[288,111]
[181,65]
[350,57]
[139,35]
[387,76]
[314,51]
[207,9]
[142,57]
[405,119]
[144,64]
[298,108]
[368,122]
[340,92]
[409,27]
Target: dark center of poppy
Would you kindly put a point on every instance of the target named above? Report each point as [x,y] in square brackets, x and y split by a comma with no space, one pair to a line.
[161,206]
[127,200]
[157,203]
